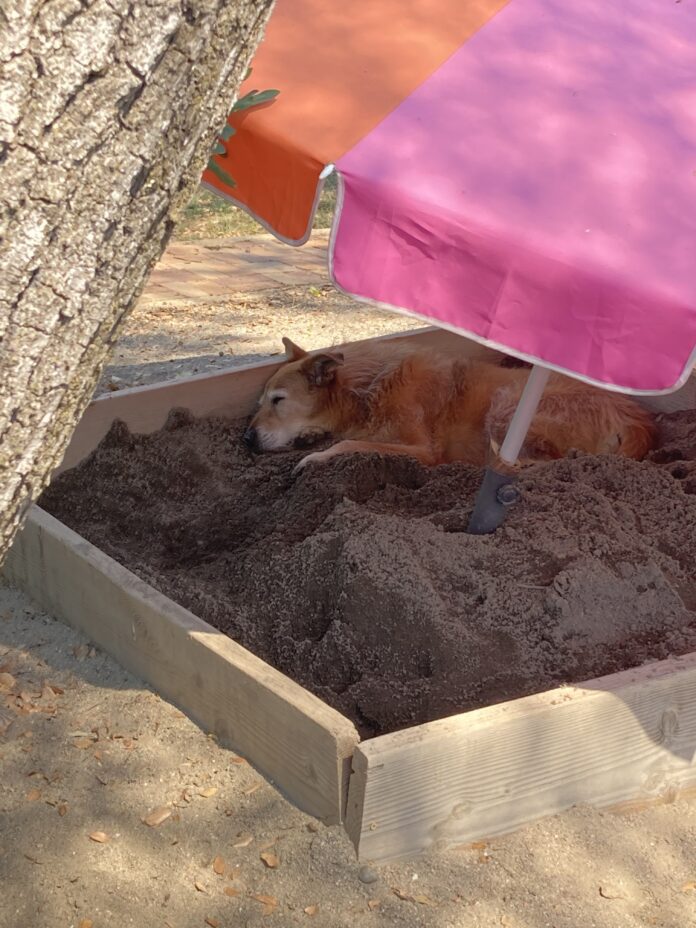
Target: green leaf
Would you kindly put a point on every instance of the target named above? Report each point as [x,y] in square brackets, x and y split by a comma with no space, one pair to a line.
[227,132]
[219,149]
[220,174]
[254,98]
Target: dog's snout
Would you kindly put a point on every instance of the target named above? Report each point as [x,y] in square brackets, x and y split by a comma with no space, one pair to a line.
[250,438]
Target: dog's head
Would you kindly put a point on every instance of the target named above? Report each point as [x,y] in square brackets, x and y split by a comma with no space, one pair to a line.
[294,409]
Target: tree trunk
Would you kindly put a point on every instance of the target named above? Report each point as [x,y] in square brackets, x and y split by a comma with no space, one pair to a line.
[108,112]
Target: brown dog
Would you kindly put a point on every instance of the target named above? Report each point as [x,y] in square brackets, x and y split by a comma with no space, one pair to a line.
[398,400]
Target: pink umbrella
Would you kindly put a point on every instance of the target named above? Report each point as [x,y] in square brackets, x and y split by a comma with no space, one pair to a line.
[521,173]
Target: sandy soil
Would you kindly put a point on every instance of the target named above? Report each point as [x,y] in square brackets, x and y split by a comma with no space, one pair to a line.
[340,577]
[89,751]
[102,751]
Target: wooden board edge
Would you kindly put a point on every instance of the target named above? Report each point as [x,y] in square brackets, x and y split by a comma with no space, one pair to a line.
[621,683]
[354,815]
[649,712]
[298,742]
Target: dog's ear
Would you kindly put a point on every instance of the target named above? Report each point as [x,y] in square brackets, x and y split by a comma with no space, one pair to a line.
[320,369]
[293,352]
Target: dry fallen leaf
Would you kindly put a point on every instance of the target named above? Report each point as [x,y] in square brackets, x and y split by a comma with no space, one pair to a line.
[86,923]
[422,899]
[219,865]
[252,789]
[33,795]
[62,809]
[373,904]
[200,887]
[157,816]
[244,841]
[270,903]
[82,743]
[237,760]
[213,922]
[99,836]
[7,682]
[230,891]
[689,887]
[311,909]
[270,860]
[208,792]
[400,894]
[610,892]
[57,690]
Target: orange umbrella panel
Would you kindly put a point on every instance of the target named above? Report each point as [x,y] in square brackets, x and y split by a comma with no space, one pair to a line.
[325,76]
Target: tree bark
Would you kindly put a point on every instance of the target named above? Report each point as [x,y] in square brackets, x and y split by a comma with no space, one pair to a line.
[108,113]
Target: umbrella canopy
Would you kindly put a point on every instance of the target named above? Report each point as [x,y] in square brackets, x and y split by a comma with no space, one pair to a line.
[521,172]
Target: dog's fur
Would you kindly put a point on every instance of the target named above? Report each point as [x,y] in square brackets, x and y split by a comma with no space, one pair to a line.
[397,400]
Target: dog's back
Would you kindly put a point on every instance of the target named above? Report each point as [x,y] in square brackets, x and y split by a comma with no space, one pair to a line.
[465,405]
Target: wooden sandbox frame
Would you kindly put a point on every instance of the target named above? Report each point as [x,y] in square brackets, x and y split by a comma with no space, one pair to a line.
[628,736]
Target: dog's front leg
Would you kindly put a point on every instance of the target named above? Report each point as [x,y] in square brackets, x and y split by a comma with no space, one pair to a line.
[421,453]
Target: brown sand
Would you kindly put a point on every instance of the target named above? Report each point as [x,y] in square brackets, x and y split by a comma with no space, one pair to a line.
[358,580]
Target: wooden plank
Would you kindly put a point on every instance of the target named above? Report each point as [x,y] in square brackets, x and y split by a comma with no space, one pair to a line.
[231,393]
[628,736]
[295,740]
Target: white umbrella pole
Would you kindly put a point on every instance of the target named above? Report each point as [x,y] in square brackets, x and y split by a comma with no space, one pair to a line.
[496,492]
[522,419]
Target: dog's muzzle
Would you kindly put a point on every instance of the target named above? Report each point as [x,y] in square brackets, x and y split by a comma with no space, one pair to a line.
[251,439]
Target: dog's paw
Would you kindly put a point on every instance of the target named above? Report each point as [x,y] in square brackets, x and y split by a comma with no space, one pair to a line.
[315,457]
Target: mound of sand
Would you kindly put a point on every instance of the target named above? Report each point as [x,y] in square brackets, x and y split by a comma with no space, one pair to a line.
[357,579]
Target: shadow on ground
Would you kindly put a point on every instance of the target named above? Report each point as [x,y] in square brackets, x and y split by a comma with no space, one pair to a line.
[112,751]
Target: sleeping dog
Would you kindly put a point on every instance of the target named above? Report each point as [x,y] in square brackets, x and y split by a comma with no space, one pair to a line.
[393,399]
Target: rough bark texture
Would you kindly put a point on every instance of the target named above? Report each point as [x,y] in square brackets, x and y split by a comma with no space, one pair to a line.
[108,112]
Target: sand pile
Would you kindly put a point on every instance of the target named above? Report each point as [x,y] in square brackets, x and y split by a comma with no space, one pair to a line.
[357,579]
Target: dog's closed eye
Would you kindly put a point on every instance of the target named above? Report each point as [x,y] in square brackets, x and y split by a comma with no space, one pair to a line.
[277,399]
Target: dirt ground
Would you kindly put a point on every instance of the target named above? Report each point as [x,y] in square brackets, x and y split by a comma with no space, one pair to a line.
[172,339]
[92,752]
[86,749]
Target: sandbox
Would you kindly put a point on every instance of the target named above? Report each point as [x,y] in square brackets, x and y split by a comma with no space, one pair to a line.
[505,761]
